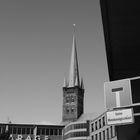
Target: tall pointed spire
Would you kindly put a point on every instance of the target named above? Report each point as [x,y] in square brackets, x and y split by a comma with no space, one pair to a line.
[82,84]
[74,71]
[73,88]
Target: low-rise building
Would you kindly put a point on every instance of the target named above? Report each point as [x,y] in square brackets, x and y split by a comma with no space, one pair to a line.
[99,130]
[32,131]
[78,130]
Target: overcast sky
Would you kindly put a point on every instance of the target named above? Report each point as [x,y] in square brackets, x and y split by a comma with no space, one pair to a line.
[35,50]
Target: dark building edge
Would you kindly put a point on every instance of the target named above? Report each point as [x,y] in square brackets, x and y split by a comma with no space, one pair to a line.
[106,31]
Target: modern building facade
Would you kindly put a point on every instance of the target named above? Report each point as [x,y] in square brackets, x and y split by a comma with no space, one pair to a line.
[78,130]
[32,131]
[99,130]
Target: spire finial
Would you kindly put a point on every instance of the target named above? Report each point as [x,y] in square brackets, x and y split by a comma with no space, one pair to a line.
[74,27]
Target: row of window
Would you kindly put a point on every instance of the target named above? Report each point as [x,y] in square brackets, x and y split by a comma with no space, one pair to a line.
[2,129]
[70,110]
[75,126]
[98,124]
[16,130]
[40,131]
[75,134]
[104,135]
[43,131]
[70,98]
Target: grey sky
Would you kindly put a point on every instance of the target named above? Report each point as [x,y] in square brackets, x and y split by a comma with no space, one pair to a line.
[35,50]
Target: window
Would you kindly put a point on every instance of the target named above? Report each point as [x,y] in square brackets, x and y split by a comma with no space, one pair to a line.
[100,123]
[78,134]
[38,131]
[67,99]
[103,121]
[55,132]
[43,131]
[19,130]
[107,133]
[14,130]
[92,137]
[23,130]
[103,135]
[79,126]
[10,130]
[32,130]
[114,131]
[111,131]
[96,126]
[100,136]
[72,98]
[96,137]
[28,131]
[51,132]
[2,129]
[47,131]
[67,110]
[92,127]
[60,132]
[72,110]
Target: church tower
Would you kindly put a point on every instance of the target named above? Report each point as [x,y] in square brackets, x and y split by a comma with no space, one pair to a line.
[73,89]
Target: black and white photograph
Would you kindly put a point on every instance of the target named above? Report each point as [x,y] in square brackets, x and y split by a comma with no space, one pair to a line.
[69,70]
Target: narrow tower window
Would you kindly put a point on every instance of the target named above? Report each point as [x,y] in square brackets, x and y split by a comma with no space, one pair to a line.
[67,99]
[72,110]
[72,98]
[67,110]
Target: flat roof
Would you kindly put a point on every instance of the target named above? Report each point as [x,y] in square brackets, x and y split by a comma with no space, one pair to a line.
[31,125]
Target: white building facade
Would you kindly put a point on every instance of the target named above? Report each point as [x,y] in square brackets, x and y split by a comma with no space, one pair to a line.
[99,130]
[78,130]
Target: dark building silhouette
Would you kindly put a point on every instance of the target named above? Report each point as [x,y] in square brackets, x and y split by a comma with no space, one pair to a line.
[121,26]
[121,31]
